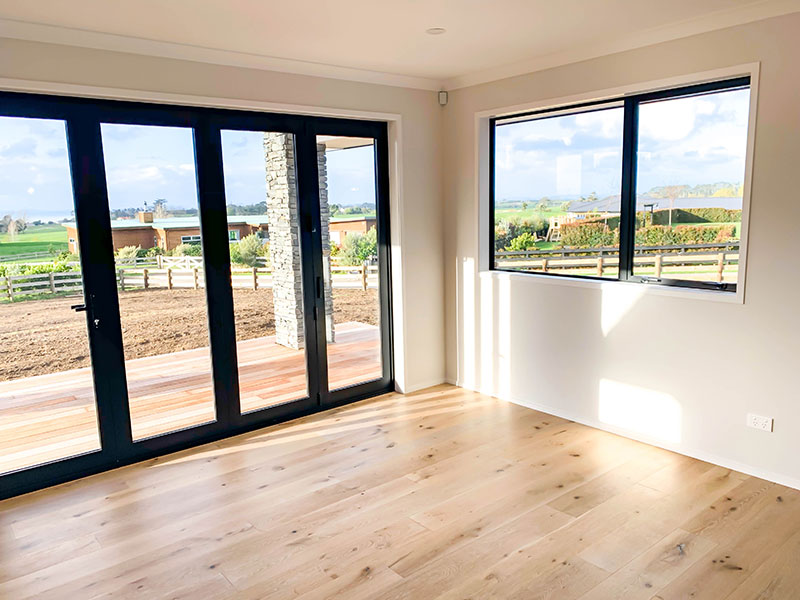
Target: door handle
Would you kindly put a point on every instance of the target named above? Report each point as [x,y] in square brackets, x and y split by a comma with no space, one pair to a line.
[79,307]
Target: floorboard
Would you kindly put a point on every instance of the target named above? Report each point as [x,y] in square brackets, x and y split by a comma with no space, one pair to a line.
[440,494]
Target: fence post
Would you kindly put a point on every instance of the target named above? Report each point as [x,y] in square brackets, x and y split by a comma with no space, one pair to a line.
[145,277]
[9,289]
[364,275]
[720,266]
[52,282]
[196,282]
[255,278]
[658,265]
[544,265]
[169,279]
[159,261]
[600,266]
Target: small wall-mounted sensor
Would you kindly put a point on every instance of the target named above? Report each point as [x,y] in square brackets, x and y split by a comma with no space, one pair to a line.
[442,98]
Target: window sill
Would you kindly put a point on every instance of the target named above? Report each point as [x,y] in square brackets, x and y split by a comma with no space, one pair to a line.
[644,289]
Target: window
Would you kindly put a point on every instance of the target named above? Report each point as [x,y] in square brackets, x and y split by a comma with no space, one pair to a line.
[190,239]
[233,235]
[647,188]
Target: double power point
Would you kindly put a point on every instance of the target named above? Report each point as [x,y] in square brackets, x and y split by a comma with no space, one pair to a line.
[759,422]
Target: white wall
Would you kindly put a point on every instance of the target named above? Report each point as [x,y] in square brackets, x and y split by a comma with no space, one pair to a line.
[415,155]
[599,354]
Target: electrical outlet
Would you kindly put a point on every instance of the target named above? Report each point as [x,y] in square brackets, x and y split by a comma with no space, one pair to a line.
[759,422]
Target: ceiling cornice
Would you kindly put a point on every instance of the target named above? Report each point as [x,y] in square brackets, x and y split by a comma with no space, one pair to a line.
[38,32]
[647,37]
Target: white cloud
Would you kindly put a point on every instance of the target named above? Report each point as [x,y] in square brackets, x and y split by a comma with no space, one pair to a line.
[31,191]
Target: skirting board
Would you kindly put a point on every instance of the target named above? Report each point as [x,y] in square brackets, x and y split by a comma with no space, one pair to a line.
[682,449]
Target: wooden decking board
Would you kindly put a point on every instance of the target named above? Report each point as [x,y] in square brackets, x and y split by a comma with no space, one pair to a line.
[48,417]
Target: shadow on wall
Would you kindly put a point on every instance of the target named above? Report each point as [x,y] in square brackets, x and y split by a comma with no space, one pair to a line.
[520,339]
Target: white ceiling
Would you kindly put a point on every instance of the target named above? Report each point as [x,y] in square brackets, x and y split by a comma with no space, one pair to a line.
[378,40]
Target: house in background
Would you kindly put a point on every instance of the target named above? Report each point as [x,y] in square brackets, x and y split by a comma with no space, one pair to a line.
[344,226]
[148,232]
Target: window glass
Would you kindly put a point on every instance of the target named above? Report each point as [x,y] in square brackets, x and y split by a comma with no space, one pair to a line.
[557,193]
[689,186]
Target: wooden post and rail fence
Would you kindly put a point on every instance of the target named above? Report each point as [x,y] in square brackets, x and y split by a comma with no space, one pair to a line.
[658,258]
[174,274]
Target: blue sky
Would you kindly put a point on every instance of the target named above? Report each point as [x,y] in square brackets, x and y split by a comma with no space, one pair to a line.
[695,140]
[146,163]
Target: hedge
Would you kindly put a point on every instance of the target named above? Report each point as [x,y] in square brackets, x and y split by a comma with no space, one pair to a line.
[594,234]
[682,215]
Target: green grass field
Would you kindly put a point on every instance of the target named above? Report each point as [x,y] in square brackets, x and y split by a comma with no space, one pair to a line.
[529,213]
[36,238]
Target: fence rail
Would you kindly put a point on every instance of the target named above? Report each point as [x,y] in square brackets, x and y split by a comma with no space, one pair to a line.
[614,251]
[25,256]
[342,277]
[599,263]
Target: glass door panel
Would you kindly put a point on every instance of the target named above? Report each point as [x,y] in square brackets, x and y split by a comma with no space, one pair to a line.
[48,410]
[155,226]
[347,192]
[266,267]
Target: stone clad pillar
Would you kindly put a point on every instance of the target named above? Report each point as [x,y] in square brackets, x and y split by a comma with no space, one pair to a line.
[283,219]
[325,219]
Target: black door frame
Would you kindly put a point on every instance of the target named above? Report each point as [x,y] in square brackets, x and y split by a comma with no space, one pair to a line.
[83,117]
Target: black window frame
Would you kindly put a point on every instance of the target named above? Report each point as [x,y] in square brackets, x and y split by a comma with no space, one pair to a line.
[83,117]
[630,127]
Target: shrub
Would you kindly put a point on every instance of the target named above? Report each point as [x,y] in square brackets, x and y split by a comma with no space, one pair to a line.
[356,248]
[154,251]
[128,252]
[188,250]
[524,241]
[506,230]
[591,234]
[249,247]
[67,256]
[236,256]
[11,270]
[335,249]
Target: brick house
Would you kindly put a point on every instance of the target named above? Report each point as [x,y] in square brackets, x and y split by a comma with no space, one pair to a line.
[147,232]
[340,227]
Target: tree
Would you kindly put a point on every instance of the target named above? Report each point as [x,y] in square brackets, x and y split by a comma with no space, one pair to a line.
[542,205]
[16,226]
[524,206]
[160,209]
[356,248]
[672,192]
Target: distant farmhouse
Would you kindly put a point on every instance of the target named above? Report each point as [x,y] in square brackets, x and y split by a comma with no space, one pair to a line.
[148,232]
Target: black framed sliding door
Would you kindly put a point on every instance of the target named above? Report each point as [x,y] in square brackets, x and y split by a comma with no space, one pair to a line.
[231,266]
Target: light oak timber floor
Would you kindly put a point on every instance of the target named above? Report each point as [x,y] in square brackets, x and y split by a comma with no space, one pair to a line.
[440,494]
[49,417]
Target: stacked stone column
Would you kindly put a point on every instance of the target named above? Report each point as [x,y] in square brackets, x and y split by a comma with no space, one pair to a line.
[283,219]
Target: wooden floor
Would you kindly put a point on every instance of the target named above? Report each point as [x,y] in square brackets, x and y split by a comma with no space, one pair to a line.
[49,417]
[442,494]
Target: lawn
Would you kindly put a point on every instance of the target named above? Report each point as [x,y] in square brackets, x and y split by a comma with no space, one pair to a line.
[36,238]
[528,213]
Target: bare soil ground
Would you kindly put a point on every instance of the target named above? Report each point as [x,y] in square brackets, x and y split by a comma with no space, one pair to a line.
[46,336]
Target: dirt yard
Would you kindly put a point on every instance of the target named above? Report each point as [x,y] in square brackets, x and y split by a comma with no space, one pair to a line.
[45,336]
